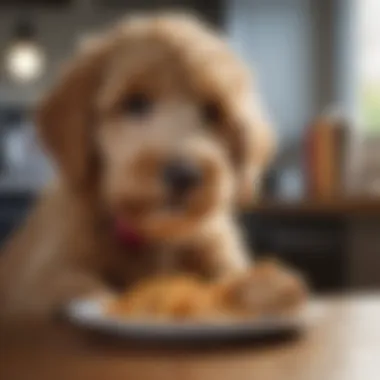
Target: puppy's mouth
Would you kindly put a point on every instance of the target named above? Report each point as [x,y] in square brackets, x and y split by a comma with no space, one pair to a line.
[134,223]
[134,230]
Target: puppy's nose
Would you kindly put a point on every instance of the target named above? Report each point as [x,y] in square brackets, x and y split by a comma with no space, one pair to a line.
[181,176]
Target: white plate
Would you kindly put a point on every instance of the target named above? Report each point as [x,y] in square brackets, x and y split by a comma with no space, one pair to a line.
[89,313]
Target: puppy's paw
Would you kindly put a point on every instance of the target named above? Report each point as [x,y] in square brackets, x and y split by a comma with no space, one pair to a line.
[267,289]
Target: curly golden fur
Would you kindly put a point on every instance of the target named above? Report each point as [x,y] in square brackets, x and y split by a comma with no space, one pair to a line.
[197,105]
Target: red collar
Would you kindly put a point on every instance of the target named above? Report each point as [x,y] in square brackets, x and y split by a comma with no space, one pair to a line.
[128,236]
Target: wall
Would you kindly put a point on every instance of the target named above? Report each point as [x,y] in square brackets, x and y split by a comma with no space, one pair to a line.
[276,37]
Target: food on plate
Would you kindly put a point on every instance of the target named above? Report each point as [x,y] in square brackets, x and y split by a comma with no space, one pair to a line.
[178,297]
[266,289]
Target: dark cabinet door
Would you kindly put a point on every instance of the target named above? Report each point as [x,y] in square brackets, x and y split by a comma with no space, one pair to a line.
[314,244]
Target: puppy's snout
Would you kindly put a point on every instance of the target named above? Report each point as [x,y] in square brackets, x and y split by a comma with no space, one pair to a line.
[181,176]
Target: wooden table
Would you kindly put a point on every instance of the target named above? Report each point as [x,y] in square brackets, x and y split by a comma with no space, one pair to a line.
[343,345]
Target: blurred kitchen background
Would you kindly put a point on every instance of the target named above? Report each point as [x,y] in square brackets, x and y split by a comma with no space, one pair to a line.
[317,64]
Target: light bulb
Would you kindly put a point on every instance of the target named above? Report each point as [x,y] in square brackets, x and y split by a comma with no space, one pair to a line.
[25,61]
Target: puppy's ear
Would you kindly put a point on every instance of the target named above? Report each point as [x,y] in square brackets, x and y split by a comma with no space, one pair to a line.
[257,146]
[65,115]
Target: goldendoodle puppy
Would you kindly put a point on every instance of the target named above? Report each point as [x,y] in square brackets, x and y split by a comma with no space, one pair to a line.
[158,138]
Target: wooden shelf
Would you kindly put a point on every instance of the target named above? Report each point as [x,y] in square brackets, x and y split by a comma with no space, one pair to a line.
[351,206]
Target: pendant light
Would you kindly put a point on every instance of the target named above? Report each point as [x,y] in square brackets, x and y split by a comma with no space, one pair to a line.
[24,59]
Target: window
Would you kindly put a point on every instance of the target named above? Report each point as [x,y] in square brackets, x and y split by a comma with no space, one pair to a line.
[368,60]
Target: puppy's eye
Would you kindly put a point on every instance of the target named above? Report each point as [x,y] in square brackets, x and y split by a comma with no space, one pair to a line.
[137,104]
[211,113]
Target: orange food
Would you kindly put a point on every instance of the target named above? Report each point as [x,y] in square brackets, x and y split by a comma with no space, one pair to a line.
[178,297]
[266,289]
